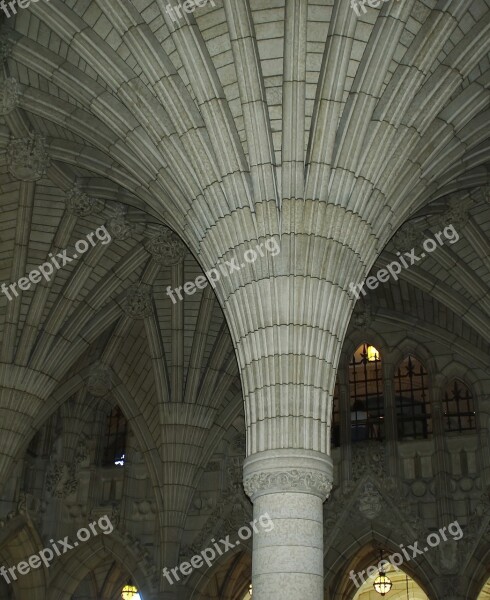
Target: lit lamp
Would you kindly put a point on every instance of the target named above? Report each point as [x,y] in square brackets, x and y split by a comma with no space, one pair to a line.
[382,584]
[372,354]
[129,592]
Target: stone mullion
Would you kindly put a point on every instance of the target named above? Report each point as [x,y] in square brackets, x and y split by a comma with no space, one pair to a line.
[99,432]
[391,431]
[441,462]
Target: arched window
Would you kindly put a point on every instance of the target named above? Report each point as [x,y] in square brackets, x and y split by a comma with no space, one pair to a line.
[412,399]
[459,409]
[115,438]
[130,592]
[366,394]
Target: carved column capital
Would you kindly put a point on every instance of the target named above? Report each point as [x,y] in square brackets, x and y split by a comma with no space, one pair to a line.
[288,470]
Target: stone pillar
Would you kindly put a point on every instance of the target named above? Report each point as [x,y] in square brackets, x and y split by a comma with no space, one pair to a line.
[290,486]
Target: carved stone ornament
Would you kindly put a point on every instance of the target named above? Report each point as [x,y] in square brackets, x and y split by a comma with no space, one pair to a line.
[9,95]
[234,469]
[112,511]
[310,482]
[362,315]
[232,495]
[61,480]
[5,47]
[118,226]
[100,380]
[368,457]
[145,562]
[408,236]
[447,554]
[143,510]
[166,247]
[370,501]
[27,157]
[138,302]
[239,443]
[81,204]
[478,524]
[458,213]
[27,505]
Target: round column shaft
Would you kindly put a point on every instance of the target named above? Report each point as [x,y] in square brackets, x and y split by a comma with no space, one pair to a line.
[288,488]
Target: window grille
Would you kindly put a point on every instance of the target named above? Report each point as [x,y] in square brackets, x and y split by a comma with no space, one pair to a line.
[115,438]
[366,394]
[459,409]
[412,399]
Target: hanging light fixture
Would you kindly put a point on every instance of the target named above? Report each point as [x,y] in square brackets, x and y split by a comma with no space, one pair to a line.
[129,592]
[382,584]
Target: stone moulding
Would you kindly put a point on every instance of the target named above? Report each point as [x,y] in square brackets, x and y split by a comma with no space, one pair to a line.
[295,480]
